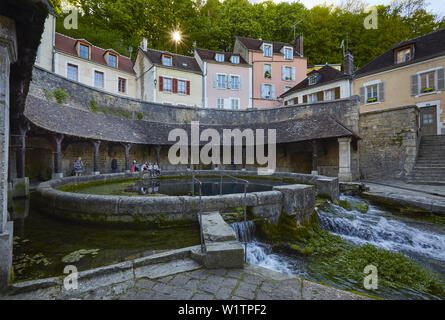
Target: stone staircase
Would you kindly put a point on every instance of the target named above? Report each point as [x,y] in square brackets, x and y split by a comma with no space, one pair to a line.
[430,164]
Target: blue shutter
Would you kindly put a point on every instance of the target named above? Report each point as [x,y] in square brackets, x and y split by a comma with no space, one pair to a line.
[293,73]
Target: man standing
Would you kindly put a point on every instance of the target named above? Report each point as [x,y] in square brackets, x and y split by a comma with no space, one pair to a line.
[114,165]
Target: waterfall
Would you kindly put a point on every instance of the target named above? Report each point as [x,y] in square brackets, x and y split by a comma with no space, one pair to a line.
[244,230]
[383,230]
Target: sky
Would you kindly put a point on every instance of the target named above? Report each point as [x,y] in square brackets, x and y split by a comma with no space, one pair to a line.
[436,6]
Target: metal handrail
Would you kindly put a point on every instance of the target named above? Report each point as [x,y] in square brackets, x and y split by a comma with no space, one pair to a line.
[203,249]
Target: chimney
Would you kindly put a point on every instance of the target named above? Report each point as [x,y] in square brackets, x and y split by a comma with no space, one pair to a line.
[348,63]
[144,43]
[299,44]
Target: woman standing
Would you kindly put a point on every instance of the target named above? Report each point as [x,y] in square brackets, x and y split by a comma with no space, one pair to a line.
[78,166]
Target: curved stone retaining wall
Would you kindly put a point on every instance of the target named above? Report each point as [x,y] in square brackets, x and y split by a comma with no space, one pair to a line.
[295,199]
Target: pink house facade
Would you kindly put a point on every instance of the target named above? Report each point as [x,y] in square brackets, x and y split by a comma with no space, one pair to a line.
[227,80]
[276,66]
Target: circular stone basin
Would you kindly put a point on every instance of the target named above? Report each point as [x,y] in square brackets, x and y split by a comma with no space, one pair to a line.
[171,187]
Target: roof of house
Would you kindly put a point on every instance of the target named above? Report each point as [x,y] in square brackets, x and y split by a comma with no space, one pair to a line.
[205,54]
[327,74]
[80,123]
[426,47]
[179,61]
[67,44]
[255,44]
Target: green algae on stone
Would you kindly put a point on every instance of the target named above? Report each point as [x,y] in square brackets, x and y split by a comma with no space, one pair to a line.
[79,254]
[363,207]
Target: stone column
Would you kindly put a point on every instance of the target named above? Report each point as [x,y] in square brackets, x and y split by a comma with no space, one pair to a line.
[243,151]
[149,153]
[8,55]
[344,159]
[127,147]
[22,128]
[96,145]
[58,139]
[314,157]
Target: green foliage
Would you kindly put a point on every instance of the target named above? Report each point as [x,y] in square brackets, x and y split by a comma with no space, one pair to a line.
[363,207]
[140,116]
[48,94]
[214,24]
[93,106]
[60,95]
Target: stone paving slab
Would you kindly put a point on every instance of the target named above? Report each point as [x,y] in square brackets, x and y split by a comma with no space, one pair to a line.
[250,283]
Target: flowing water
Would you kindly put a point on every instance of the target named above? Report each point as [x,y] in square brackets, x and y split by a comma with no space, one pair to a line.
[419,240]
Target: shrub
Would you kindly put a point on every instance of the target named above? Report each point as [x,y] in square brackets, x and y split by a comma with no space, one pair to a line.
[60,95]
[93,106]
[140,115]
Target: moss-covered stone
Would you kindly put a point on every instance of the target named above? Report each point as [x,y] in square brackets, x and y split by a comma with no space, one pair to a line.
[363,207]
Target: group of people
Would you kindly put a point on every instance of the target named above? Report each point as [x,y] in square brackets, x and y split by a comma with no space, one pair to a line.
[154,169]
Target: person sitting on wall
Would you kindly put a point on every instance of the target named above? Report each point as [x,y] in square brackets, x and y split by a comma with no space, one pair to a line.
[114,165]
[78,166]
[156,169]
[133,166]
[144,167]
[150,168]
[136,166]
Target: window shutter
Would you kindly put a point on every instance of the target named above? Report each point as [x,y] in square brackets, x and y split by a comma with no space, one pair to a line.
[293,73]
[414,85]
[337,93]
[215,81]
[188,87]
[362,95]
[305,98]
[161,84]
[229,82]
[441,79]
[320,96]
[263,95]
[381,91]
[240,83]
[273,92]
[296,100]
[283,71]
[175,85]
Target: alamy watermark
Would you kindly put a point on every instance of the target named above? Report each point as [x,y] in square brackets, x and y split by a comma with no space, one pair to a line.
[371,20]
[370,282]
[210,153]
[70,282]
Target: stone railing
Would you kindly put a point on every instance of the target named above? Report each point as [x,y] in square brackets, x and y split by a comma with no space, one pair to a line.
[296,199]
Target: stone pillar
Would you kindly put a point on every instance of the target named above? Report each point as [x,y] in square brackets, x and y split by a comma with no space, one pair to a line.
[8,55]
[344,159]
[149,153]
[58,139]
[243,151]
[96,145]
[158,155]
[127,147]
[20,185]
[314,157]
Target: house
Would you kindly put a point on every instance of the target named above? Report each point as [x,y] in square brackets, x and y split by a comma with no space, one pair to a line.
[277,67]
[81,61]
[410,73]
[227,80]
[168,78]
[324,84]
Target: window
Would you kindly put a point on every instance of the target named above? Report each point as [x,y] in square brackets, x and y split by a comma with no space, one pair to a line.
[167,60]
[287,73]
[72,72]
[99,79]
[329,94]
[312,98]
[220,103]
[167,84]
[267,49]
[235,103]
[428,118]
[235,59]
[84,51]
[266,91]
[219,57]
[372,93]
[181,87]
[235,82]
[267,71]
[427,82]
[112,59]
[221,81]
[403,55]
[288,53]
[313,79]
[122,85]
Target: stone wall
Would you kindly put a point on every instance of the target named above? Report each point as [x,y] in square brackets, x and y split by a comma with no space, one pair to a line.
[388,147]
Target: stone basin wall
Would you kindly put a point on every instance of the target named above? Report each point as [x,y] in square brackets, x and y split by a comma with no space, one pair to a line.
[295,199]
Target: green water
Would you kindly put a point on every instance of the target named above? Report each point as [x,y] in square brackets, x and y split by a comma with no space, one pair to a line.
[40,243]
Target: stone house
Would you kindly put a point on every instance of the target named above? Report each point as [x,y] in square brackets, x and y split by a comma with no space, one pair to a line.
[168,78]
[410,73]
[277,67]
[227,80]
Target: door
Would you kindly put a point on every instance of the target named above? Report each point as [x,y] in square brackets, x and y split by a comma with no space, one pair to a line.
[428,121]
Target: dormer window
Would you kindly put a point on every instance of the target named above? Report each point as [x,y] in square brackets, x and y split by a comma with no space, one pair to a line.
[219,57]
[403,55]
[288,52]
[167,60]
[112,60]
[267,50]
[234,59]
[313,79]
[84,51]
